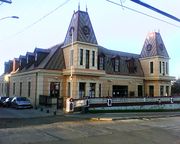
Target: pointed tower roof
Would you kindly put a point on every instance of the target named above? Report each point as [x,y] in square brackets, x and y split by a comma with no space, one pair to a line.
[154,46]
[82,29]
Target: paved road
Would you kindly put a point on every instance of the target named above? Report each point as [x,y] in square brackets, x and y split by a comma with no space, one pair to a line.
[134,131]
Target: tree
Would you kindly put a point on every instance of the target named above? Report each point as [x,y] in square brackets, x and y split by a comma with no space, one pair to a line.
[175,89]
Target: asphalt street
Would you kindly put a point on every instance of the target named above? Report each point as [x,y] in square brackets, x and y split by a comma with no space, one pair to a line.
[132,131]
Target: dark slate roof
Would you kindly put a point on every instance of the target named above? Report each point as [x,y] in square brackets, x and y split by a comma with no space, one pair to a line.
[154,46]
[41,50]
[124,58]
[54,60]
[29,54]
[82,29]
[116,53]
[22,57]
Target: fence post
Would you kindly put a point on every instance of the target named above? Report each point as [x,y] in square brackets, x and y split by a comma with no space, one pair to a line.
[109,101]
[69,105]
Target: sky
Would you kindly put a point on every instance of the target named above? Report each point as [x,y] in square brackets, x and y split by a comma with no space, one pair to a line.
[44,23]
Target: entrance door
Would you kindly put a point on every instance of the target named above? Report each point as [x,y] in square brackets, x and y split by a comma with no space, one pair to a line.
[120,91]
[140,90]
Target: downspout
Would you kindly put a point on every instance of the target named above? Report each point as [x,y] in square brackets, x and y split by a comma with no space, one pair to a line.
[36,90]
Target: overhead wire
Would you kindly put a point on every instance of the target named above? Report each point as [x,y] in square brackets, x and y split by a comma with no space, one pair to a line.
[142,13]
[156,10]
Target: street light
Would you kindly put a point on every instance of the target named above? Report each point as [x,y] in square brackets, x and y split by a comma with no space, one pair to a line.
[15,17]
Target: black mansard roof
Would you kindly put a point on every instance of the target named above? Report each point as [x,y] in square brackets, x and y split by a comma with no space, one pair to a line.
[129,63]
[53,60]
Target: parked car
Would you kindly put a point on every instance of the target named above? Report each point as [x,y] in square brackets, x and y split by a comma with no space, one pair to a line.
[2,99]
[21,102]
[7,102]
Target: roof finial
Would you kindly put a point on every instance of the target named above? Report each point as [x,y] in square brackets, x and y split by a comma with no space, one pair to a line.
[79,6]
[86,8]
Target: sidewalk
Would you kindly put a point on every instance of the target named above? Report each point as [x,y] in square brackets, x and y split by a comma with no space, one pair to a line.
[50,112]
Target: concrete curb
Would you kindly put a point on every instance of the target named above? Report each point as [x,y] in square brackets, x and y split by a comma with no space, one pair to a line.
[129,118]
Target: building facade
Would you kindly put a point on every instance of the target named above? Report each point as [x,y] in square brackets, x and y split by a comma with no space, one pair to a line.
[79,67]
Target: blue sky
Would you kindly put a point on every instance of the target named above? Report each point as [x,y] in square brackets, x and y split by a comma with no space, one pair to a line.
[115,27]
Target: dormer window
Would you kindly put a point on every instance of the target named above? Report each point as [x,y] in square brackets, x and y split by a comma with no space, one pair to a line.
[27,60]
[131,65]
[101,63]
[116,65]
[36,57]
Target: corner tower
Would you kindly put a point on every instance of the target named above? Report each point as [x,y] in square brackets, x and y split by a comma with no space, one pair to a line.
[81,42]
[154,59]
[81,57]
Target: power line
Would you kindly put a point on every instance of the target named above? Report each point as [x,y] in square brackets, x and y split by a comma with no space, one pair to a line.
[40,19]
[156,10]
[142,13]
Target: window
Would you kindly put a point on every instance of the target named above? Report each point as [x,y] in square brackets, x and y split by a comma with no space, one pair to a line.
[20,90]
[167,69]
[163,64]
[82,89]
[87,58]
[29,89]
[69,89]
[81,56]
[167,90]
[116,65]
[54,89]
[131,65]
[99,90]
[101,63]
[151,67]
[2,88]
[161,90]
[93,58]
[14,85]
[160,67]
[36,56]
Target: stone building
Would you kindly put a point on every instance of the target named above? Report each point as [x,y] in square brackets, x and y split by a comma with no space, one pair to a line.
[80,67]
